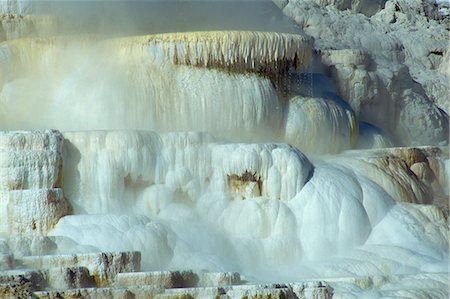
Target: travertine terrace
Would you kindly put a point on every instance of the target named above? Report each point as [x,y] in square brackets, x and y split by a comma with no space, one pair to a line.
[250,149]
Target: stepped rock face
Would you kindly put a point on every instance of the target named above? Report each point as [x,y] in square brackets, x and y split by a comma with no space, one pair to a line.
[102,266]
[258,109]
[215,162]
[165,93]
[260,191]
[170,178]
[31,197]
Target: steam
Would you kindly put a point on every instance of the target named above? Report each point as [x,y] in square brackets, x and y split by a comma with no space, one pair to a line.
[281,210]
[124,18]
[148,83]
[242,195]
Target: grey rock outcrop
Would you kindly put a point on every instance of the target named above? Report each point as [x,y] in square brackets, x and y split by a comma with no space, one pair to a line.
[389,79]
[375,83]
[16,6]
[366,7]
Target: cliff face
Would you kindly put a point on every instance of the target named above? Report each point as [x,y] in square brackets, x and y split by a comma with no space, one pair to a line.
[368,50]
[390,65]
[235,85]
[318,151]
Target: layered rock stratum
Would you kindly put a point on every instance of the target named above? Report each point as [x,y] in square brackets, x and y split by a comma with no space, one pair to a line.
[295,149]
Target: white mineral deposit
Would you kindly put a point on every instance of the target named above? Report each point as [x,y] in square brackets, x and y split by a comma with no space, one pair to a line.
[224,149]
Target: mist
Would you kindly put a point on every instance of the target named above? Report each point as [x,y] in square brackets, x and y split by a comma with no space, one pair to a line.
[123,18]
[217,150]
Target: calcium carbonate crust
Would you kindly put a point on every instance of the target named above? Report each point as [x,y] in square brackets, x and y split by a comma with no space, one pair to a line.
[96,213]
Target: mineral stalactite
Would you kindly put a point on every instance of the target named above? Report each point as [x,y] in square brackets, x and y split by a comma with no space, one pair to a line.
[311,162]
[239,51]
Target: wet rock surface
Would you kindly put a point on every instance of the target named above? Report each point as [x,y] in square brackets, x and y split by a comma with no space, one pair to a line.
[328,170]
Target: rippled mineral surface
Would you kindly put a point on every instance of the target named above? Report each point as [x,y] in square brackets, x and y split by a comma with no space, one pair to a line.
[224,149]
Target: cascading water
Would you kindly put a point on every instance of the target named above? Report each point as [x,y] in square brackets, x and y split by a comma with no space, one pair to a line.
[201,151]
